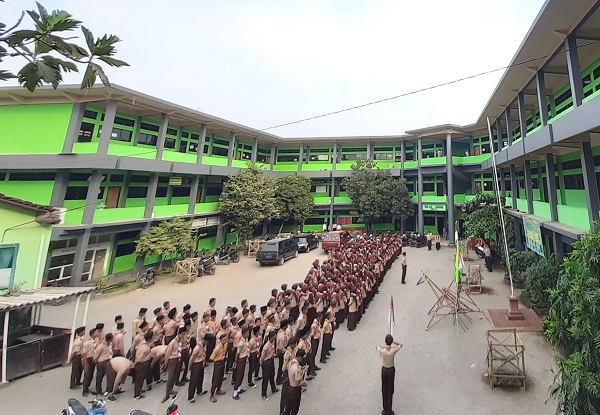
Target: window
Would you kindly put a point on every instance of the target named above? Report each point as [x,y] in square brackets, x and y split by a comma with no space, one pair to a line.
[86,132]
[487,186]
[169,143]
[120,135]
[32,177]
[124,121]
[193,147]
[117,178]
[214,191]
[261,158]
[125,249]
[171,131]
[125,236]
[221,141]
[182,146]
[137,192]
[384,149]
[572,164]
[597,72]
[79,177]
[148,139]
[76,193]
[161,192]
[205,149]
[574,182]
[284,159]
[2,176]
[359,156]
[181,191]
[220,151]
[428,187]
[429,220]
[149,127]
[90,114]
[383,156]
[135,178]
[163,179]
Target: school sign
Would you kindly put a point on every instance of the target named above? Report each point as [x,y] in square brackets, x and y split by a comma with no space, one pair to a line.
[533,235]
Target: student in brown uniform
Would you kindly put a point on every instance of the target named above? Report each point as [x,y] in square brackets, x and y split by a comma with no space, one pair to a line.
[118,343]
[135,324]
[171,326]
[172,358]
[218,357]
[267,362]
[242,353]
[315,338]
[76,359]
[327,333]
[388,372]
[87,355]
[197,364]
[102,356]
[280,346]
[253,350]
[404,264]
[139,338]
[143,359]
[296,373]
[290,352]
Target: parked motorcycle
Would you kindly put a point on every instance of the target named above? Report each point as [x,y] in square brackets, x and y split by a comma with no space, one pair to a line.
[207,266]
[147,278]
[234,253]
[74,407]
[222,255]
[173,409]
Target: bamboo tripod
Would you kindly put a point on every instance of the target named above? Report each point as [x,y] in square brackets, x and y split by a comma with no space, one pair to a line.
[457,304]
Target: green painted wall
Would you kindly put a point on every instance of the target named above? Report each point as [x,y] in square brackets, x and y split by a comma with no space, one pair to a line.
[34,241]
[34,129]
[37,192]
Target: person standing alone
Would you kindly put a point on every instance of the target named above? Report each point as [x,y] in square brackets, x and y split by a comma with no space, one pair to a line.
[388,372]
[403,263]
[429,240]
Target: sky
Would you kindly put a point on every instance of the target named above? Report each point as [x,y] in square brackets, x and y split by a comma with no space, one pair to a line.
[263,63]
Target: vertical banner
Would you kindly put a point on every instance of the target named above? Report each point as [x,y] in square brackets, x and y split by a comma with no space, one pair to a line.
[391,317]
[533,235]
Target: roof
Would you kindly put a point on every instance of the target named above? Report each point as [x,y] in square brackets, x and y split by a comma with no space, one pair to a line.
[38,296]
[25,205]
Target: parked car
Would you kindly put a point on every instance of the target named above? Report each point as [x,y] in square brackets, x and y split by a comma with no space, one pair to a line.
[336,240]
[276,251]
[306,242]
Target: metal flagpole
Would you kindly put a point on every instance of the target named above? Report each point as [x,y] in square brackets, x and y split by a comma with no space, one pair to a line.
[500,210]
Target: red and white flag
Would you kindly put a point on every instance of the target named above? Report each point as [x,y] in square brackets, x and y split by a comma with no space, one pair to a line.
[391,318]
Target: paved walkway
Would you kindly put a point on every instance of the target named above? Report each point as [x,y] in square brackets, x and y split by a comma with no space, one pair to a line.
[438,372]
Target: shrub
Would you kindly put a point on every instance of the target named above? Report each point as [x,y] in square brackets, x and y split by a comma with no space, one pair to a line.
[540,277]
[520,261]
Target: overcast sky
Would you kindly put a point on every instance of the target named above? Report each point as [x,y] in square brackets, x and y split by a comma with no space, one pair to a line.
[264,63]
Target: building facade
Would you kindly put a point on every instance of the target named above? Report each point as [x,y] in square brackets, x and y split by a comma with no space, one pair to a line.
[117,161]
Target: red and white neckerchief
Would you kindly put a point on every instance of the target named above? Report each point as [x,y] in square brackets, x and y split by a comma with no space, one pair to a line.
[110,351]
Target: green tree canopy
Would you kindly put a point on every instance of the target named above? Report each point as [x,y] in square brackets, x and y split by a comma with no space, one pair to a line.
[574,325]
[294,200]
[248,199]
[167,239]
[375,193]
[49,52]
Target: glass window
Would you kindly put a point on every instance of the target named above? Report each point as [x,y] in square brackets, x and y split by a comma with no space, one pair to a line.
[183,146]
[117,178]
[124,236]
[193,147]
[76,193]
[149,127]
[171,131]
[121,135]
[60,260]
[125,249]
[124,121]
[219,151]
[181,191]
[90,114]
[429,220]
[135,178]
[137,192]
[221,141]
[148,139]
[169,143]
[86,131]
[33,177]
[428,187]
[161,192]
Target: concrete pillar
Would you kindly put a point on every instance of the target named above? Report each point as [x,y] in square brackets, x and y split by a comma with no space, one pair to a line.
[450,189]
[91,199]
[498,135]
[74,127]
[201,143]
[193,194]
[403,157]
[561,184]
[80,251]
[139,261]
[123,201]
[518,236]
[542,98]
[232,148]
[162,134]
[589,181]
[559,251]
[528,186]
[503,182]
[300,157]
[522,115]
[574,70]
[331,204]
[138,124]
[59,190]
[369,151]
[107,126]
[334,157]
[254,155]
[273,156]
[509,126]
[151,195]
[419,150]
[514,186]
[551,186]
[420,201]
[220,231]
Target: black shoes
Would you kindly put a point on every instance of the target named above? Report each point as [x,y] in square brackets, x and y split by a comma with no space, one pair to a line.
[165,399]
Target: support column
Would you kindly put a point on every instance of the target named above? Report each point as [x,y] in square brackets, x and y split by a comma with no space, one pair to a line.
[220,229]
[518,236]
[503,182]
[514,186]
[107,126]
[201,143]
[561,184]
[509,126]
[139,261]
[589,181]
[420,201]
[450,189]
[369,152]
[551,186]
[80,251]
[574,70]
[541,94]
[86,308]
[273,156]
[419,151]
[5,345]
[151,195]
[254,155]
[162,134]
[499,141]
[231,150]
[528,187]
[300,157]
[403,157]
[193,194]
[60,187]
[334,157]
[91,199]
[73,325]
[126,183]
[522,115]
[559,251]
[331,197]
[74,127]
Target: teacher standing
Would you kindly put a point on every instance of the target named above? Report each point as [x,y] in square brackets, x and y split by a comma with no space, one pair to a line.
[388,372]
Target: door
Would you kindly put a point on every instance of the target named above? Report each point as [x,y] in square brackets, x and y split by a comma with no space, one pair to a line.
[112,199]
[477,150]
[99,261]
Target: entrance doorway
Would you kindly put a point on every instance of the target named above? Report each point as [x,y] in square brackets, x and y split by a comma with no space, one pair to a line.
[112,198]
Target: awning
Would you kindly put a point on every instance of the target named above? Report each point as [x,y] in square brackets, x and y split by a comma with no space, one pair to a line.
[38,296]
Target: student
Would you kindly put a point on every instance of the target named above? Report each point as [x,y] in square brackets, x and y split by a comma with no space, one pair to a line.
[388,372]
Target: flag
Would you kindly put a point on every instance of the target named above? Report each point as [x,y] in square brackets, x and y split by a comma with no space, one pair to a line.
[459,263]
[391,318]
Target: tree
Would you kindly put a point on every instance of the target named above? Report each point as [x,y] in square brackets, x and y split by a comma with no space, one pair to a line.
[294,200]
[48,52]
[167,239]
[375,193]
[248,199]
[574,325]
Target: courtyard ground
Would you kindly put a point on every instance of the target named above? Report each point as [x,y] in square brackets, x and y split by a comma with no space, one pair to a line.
[440,371]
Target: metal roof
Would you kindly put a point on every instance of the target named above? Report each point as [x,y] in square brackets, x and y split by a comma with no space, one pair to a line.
[38,296]
[25,205]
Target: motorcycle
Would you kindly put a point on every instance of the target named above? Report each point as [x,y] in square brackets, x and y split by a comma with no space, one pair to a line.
[234,254]
[207,266]
[74,407]
[147,278]
[173,409]
[222,255]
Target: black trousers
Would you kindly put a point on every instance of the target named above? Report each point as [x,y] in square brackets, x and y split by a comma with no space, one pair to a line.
[312,356]
[387,388]
[196,379]
[217,378]
[89,374]
[352,320]
[284,399]
[294,396]
[253,366]
[403,273]
[210,347]
[268,368]
[76,370]
[141,374]
[279,365]
[326,345]
[488,263]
